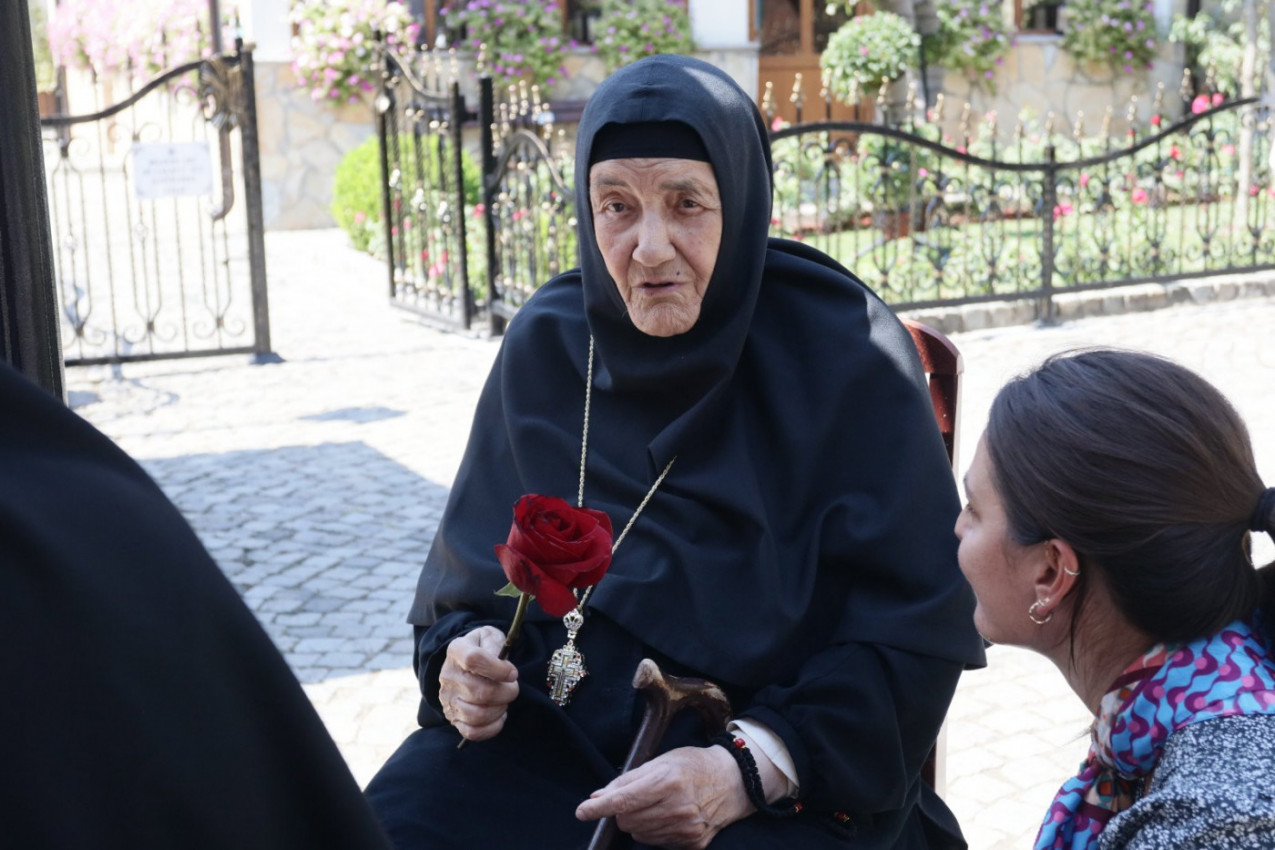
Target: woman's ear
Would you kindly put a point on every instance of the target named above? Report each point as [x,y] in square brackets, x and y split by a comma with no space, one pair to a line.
[1056,574]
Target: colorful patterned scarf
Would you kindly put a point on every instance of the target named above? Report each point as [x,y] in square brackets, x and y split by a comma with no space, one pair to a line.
[1168,688]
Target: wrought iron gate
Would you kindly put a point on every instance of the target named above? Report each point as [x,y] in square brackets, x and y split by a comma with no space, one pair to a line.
[419,121]
[158,236]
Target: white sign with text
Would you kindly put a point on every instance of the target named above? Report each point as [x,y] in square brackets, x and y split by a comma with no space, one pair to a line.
[171,170]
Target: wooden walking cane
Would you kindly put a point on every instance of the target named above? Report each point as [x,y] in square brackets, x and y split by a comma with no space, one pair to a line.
[665,697]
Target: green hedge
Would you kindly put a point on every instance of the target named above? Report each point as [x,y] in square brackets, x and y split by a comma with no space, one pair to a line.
[356,191]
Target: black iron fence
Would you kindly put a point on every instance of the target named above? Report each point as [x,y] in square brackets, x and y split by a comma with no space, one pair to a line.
[930,220]
[927,217]
[424,203]
[155,211]
[468,237]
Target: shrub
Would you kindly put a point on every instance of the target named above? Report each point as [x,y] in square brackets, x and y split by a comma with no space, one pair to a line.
[628,30]
[1119,33]
[333,43]
[869,50]
[523,38]
[1217,47]
[356,190]
[971,38]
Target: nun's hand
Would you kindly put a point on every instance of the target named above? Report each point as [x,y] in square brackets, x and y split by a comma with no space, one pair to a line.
[475,687]
[681,799]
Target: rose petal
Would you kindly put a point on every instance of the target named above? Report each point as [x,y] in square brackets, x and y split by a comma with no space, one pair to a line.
[554,598]
[517,568]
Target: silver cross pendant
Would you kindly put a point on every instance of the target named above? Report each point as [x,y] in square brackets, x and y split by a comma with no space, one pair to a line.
[566,665]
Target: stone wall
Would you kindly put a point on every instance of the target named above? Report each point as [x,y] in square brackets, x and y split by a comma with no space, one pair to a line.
[1039,77]
[301,143]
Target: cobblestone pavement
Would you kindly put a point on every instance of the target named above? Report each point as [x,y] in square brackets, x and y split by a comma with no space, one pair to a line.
[317,484]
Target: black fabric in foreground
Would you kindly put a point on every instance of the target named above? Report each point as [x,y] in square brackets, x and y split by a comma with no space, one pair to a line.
[144,706]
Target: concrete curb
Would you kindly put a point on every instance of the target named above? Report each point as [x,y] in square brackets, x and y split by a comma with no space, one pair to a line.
[1139,298]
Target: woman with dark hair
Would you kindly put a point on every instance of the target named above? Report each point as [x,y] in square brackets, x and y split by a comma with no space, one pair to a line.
[1110,506]
[756,421]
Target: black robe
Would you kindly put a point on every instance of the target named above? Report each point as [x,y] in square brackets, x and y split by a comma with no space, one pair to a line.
[144,707]
[800,553]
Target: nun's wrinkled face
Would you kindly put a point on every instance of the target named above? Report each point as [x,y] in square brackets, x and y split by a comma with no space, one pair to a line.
[659,227]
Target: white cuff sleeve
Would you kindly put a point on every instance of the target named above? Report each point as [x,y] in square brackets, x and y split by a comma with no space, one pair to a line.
[768,746]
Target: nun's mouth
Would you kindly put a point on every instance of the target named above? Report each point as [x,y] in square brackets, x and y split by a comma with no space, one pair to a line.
[659,284]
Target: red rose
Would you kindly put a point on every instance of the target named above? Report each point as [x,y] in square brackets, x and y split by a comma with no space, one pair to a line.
[552,548]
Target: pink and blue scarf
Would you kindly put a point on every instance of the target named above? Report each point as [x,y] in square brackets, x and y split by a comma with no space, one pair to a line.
[1166,689]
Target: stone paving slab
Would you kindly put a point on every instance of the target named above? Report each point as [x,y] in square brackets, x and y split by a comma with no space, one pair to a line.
[317,484]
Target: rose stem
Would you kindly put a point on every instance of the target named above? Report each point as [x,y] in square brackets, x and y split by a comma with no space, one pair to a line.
[515,626]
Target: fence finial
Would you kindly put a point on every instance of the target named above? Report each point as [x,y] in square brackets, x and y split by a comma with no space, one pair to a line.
[1186,91]
[938,108]
[1106,122]
[768,102]
[795,97]
[1157,105]
[1131,115]
[963,127]
[1049,128]
[1078,129]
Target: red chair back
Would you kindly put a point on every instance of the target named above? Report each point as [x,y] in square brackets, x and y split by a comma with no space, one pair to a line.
[943,367]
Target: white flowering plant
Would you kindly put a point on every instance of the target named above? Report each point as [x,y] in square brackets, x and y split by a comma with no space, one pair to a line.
[628,30]
[333,46]
[868,51]
[142,37]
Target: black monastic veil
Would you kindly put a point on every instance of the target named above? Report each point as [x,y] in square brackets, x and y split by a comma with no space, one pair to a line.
[800,553]
[144,707]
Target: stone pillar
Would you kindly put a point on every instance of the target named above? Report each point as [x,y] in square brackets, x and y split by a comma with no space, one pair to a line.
[28,312]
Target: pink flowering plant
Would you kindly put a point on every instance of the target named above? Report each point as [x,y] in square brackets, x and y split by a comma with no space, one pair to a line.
[523,39]
[628,30]
[1118,33]
[970,38]
[867,51]
[333,45]
[141,37]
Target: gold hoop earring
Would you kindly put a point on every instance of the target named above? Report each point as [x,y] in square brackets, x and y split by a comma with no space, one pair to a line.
[1072,573]
[1036,606]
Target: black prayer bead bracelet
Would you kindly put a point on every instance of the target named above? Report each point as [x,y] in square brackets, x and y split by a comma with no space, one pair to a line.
[738,749]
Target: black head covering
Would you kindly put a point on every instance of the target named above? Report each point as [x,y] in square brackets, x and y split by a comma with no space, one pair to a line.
[811,501]
[699,96]
[144,707]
